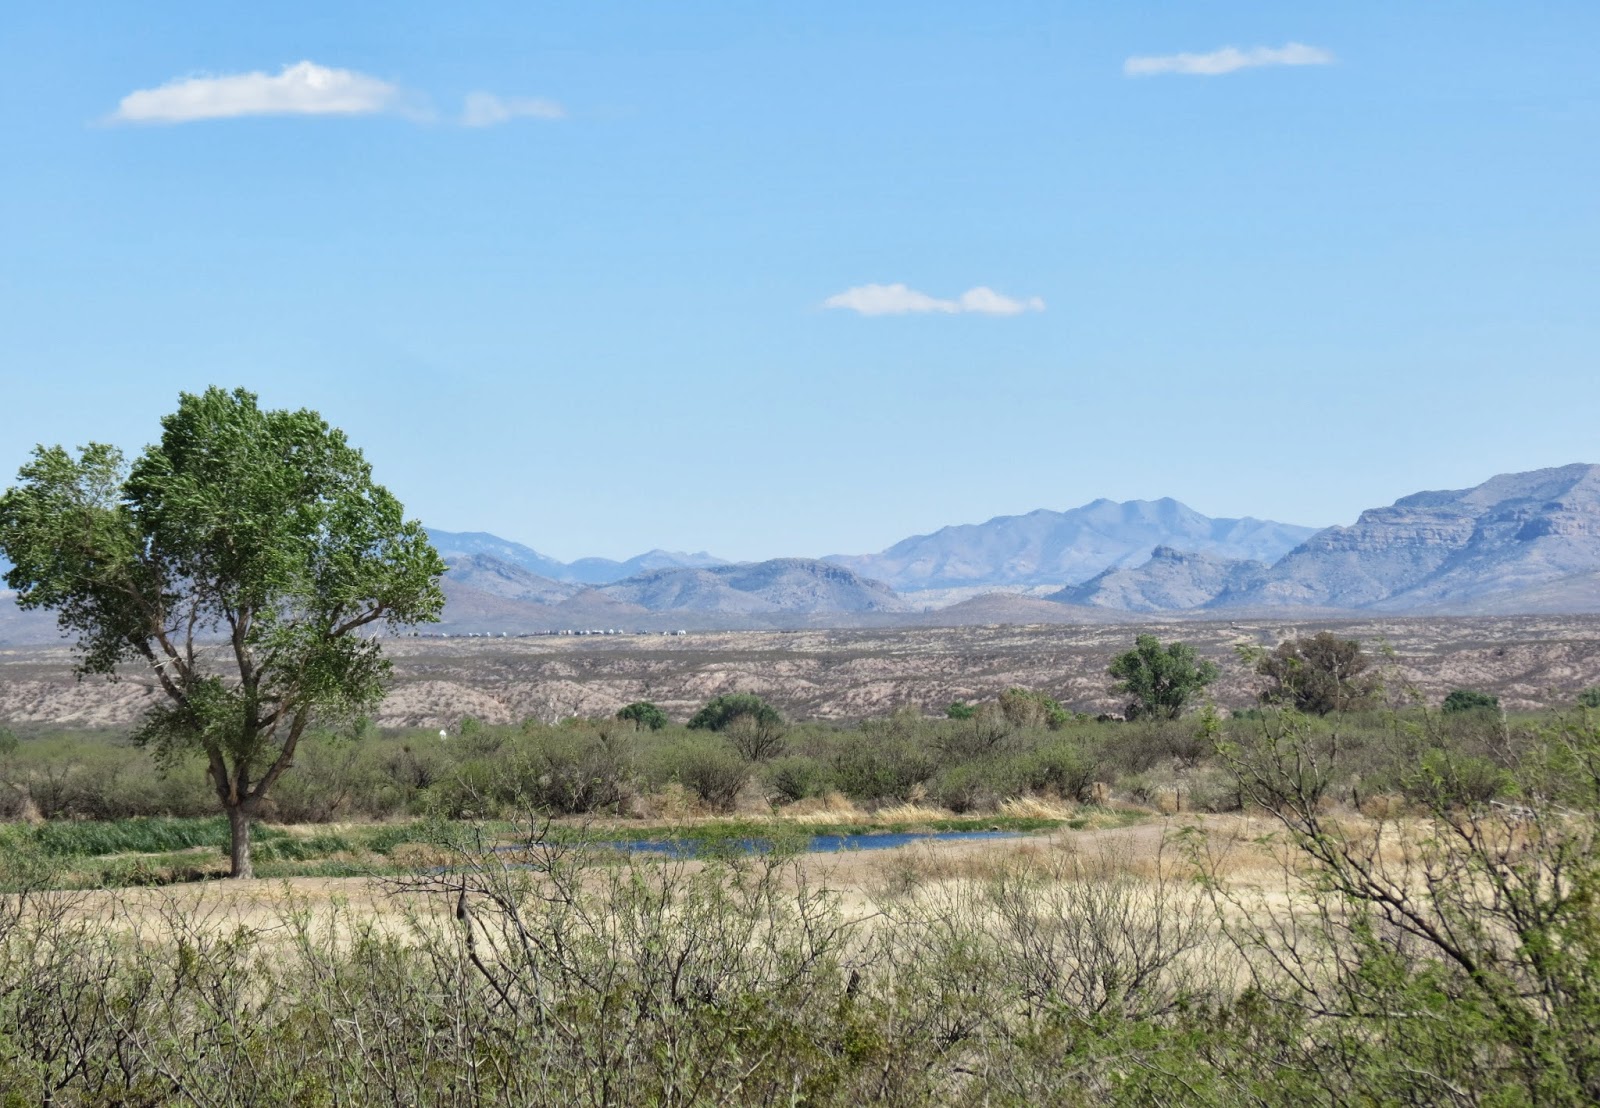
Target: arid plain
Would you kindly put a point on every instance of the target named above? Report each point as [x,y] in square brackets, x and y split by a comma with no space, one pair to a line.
[1528,661]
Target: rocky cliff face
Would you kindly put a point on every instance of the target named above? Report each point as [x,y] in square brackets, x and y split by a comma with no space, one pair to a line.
[1470,549]
[1065,548]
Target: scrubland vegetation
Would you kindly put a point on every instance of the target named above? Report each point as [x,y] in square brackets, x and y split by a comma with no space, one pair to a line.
[1386,906]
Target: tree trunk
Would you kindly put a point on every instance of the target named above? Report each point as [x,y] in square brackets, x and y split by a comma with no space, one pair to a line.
[239,848]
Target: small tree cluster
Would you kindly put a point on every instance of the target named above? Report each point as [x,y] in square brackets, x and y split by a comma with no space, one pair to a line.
[1319,675]
[1161,680]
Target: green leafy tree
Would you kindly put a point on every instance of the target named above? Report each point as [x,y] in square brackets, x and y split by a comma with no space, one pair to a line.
[644,715]
[960,709]
[720,712]
[1589,698]
[1162,680]
[1469,700]
[240,559]
[753,726]
[1319,675]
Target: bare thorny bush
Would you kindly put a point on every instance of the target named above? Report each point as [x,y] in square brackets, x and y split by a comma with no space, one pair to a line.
[1450,955]
[550,973]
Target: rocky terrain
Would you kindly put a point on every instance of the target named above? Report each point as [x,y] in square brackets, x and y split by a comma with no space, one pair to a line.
[1528,661]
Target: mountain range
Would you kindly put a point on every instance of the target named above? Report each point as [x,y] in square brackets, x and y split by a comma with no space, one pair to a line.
[1064,548]
[584,571]
[1519,542]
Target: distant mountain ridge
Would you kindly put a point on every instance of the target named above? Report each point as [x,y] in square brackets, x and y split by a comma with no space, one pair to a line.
[1465,550]
[1067,548]
[485,594]
[1172,580]
[586,571]
[1518,543]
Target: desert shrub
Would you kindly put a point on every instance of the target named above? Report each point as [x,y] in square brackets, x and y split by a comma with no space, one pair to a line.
[879,765]
[977,786]
[708,766]
[959,709]
[1063,768]
[568,773]
[331,767]
[985,733]
[1469,700]
[799,777]
[1031,709]
[1152,741]
[1447,779]
[475,788]
[1589,698]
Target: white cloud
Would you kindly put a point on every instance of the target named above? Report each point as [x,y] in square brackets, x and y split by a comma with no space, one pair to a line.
[1226,60]
[485,109]
[301,89]
[897,299]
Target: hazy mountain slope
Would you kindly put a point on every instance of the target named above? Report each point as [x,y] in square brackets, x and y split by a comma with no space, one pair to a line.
[585,571]
[781,585]
[604,571]
[1065,548]
[1171,580]
[510,582]
[19,627]
[456,544]
[1455,550]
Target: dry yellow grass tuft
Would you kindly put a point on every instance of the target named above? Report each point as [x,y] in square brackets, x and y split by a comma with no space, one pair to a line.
[834,808]
[909,813]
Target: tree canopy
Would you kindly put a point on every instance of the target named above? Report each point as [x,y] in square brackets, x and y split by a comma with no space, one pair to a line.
[1318,675]
[1161,679]
[719,713]
[239,559]
[644,715]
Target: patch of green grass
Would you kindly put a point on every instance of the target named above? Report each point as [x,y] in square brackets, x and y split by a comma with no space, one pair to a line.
[139,835]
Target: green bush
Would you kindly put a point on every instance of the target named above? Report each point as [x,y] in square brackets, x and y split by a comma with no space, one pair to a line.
[709,768]
[799,777]
[1062,768]
[873,767]
[1469,700]
[721,711]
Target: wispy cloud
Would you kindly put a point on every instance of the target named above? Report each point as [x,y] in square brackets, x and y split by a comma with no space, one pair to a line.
[307,88]
[897,299]
[1227,60]
[485,109]
[304,88]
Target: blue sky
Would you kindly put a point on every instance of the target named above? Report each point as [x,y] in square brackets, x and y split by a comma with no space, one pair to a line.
[565,271]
